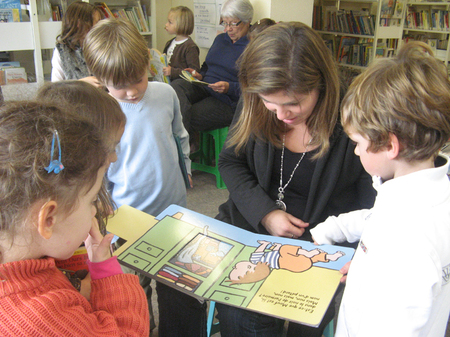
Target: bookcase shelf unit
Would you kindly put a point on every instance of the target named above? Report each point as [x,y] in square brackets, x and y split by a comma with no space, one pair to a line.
[32,36]
[428,21]
[356,31]
[36,36]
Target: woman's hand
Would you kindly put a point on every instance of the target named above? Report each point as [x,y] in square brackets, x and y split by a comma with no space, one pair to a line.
[167,70]
[97,246]
[194,73]
[280,223]
[221,87]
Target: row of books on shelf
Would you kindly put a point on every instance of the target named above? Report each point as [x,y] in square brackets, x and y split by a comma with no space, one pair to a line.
[439,46]
[12,73]
[134,11]
[434,19]
[357,51]
[329,18]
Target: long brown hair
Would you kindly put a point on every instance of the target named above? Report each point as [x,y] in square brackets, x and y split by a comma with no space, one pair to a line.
[76,23]
[292,58]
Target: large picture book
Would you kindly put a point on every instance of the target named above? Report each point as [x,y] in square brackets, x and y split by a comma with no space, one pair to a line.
[207,258]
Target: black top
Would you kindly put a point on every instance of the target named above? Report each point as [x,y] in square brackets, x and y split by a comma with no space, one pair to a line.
[338,183]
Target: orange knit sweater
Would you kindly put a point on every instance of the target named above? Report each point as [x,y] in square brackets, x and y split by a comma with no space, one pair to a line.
[36,299]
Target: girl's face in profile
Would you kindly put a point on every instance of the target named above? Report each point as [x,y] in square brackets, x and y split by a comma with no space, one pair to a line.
[171,25]
[291,109]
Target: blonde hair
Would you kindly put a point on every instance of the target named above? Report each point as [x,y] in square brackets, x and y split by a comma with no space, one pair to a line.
[407,96]
[116,52]
[184,19]
[26,133]
[290,58]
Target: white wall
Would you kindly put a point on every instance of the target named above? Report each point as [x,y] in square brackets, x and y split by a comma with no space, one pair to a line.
[278,10]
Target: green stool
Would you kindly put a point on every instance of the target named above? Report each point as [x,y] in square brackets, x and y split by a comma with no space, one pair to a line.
[211,143]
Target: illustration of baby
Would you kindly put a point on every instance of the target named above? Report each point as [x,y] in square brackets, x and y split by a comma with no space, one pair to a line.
[292,258]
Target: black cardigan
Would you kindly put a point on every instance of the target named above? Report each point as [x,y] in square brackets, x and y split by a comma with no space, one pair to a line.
[339,184]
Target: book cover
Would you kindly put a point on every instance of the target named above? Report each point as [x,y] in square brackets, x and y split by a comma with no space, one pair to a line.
[15,75]
[9,15]
[209,259]
[12,4]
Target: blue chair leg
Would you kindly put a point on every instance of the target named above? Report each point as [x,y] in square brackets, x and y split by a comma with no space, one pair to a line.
[211,327]
[329,329]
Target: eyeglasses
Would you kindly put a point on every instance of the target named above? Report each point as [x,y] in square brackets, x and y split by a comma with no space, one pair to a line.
[231,24]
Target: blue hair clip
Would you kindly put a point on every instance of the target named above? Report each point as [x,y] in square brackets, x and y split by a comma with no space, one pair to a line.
[55,165]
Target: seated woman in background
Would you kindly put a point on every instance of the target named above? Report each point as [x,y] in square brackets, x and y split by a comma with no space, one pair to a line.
[68,60]
[211,107]
[287,163]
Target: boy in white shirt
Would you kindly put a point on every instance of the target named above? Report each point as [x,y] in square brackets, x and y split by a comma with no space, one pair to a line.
[398,114]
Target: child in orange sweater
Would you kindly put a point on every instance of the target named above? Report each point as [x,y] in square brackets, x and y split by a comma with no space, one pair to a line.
[52,163]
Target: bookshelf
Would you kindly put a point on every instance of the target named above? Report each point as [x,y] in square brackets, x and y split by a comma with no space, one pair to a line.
[137,11]
[32,40]
[358,31]
[428,21]
[29,37]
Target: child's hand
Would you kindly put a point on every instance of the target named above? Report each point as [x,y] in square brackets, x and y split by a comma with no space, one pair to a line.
[93,81]
[221,87]
[97,246]
[167,70]
[85,288]
[344,271]
[190,181]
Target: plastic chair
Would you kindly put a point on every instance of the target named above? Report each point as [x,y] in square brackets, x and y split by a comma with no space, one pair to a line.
[211,327]
[329,330]
[211,143]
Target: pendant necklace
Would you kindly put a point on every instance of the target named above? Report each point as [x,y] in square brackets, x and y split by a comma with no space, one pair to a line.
[280,203]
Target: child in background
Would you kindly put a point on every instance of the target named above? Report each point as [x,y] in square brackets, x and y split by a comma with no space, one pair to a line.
[398,113]
[181,51]
[259,26]
[68,61]
[146,175]
[104,112]
[52,165]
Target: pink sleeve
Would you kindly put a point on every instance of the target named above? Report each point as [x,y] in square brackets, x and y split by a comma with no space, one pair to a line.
[104,269]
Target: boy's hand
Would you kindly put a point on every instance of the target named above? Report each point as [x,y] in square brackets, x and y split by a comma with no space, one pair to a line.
[344,271]
[280,223]
[221,87]
[97,246]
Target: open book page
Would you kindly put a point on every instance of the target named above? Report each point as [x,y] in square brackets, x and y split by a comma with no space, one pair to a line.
[207,258]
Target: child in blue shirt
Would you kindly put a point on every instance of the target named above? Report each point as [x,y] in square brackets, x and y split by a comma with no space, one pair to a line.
[146,174]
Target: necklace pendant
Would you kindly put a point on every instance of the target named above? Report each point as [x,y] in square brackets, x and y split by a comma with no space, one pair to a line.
[281,205]
[280,196]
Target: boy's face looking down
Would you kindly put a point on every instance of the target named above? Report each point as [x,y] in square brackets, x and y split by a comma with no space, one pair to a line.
[131,92]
